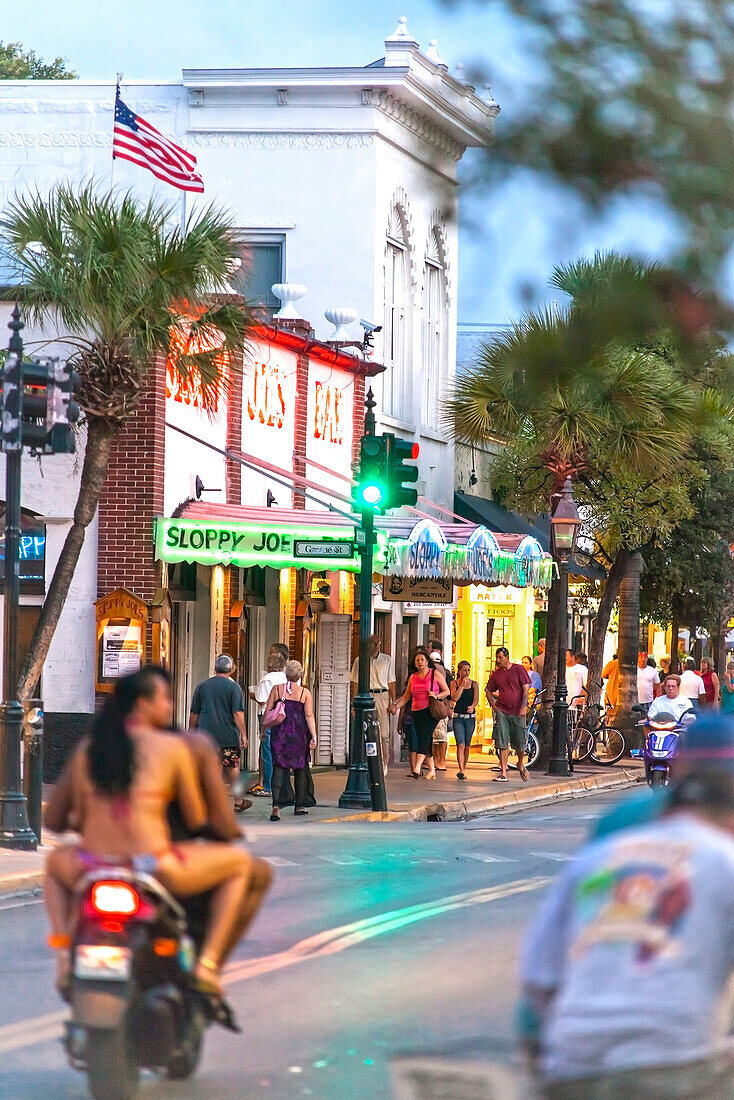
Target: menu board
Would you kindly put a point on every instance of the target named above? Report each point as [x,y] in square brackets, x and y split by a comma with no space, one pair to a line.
[122,649]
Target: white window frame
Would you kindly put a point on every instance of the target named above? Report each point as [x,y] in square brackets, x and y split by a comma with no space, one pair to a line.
[433,340]
[396,342]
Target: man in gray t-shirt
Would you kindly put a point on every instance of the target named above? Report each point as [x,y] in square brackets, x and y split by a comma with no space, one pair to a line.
[218,707]
[627,964]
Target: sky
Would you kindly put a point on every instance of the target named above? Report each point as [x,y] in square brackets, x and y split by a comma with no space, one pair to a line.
[510,237]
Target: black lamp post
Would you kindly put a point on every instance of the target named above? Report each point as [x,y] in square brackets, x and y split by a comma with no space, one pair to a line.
[565,524]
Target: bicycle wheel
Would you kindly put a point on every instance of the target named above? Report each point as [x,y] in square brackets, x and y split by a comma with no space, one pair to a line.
[581,744]
[610,746]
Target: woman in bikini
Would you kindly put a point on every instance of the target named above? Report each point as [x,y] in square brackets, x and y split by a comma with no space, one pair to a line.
[123,779]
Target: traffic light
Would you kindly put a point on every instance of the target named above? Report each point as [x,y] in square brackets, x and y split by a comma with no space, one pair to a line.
[400,452]
[372,484]
[38,405]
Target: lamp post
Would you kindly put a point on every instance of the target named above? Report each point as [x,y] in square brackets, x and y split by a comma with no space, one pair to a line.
[565,524]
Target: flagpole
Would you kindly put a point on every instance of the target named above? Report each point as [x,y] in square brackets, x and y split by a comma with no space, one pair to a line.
[117,96]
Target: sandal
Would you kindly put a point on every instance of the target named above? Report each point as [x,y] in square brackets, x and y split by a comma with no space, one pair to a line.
[524,774]
[219,1011]
[500,779]
[432,776]
[260,792]
[242,804]
[298,813]
[275,817]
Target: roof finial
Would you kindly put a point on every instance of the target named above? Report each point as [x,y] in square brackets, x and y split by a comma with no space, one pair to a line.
[401,31]
[433,55]
[400,44]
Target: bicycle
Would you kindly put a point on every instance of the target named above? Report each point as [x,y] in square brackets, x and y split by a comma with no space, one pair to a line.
[532,742]
[606,745]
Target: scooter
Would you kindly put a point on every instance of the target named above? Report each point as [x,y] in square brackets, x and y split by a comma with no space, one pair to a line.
[661,748]
[131,988]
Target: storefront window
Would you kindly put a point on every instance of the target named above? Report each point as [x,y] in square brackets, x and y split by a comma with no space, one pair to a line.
[32,553]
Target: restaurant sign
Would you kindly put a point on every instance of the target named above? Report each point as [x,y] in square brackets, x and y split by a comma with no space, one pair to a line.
[418,590]
[280,546]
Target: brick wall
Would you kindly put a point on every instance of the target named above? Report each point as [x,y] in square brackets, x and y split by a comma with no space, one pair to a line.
[233,474]
[132,495]
[358,416]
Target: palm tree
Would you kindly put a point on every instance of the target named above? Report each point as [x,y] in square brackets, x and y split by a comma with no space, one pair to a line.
[122,283]
[588,393]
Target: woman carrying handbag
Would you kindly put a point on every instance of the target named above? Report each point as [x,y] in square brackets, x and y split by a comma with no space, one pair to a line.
[289,714]
[428,693]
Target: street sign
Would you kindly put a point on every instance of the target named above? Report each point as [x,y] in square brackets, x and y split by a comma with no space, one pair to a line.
[324,548]
[423,590]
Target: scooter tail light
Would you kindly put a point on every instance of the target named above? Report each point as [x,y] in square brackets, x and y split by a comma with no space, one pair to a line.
[118,898]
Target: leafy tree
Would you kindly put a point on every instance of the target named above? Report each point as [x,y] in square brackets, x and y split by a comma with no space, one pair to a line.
[624,98]
[610,416]
[121,283]
[19,64]
[689,576]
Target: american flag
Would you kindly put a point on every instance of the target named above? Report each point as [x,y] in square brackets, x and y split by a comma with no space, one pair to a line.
[136,140]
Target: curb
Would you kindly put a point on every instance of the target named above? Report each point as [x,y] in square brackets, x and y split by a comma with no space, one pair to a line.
[19,882]
[470,807]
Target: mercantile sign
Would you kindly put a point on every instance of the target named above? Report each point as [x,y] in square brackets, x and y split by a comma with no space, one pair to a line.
[280,546]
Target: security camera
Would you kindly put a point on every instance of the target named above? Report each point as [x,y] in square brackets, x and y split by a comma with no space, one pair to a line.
[370,326]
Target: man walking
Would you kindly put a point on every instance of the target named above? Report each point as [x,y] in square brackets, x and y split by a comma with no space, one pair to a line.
[382,690]
[626,967]
[692,686]
[218,707]
[647,681]
[507,694]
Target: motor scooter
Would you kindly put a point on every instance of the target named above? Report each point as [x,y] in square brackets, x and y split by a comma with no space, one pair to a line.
[131,988]
[662,746]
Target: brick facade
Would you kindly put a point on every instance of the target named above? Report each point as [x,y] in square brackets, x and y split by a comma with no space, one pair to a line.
[133,495]
[233,474]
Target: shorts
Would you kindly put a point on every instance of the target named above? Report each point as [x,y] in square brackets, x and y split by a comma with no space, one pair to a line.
[464,726]
[509,729]
[441,732]
[230,758]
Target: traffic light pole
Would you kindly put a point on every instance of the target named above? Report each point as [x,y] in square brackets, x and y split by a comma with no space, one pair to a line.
[15,832]
[365,787]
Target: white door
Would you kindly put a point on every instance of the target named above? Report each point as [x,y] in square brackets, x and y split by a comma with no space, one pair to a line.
[332,688]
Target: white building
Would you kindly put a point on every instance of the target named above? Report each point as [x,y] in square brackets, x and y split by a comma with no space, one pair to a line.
[341,179]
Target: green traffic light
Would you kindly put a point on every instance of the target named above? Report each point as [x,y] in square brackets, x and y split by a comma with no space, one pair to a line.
[372,494]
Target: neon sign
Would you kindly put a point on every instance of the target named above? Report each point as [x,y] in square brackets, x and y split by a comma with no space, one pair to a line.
[188,390]
[327,417]
[266,403]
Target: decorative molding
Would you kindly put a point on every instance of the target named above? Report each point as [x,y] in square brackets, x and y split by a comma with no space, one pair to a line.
[400,228]
[419,125]
[85,107]
[280,140]
[61,139]
[437,252]
[282,97]
[368,97]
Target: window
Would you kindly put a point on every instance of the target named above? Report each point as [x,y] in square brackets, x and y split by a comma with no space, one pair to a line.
[395,325]
[262,267]
[433,330]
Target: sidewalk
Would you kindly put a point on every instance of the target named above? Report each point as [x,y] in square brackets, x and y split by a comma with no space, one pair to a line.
[445,799]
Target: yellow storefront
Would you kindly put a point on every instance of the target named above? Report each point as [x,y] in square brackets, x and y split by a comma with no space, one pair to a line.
[487,618]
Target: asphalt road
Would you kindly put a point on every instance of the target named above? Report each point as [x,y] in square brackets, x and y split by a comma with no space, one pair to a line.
[377,941]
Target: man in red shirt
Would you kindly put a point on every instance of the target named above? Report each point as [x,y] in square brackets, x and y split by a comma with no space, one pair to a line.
[507,694]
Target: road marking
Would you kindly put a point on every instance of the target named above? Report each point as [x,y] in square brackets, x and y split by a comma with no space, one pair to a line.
[487,859]
[342,861]
[277,861]
[42,1029]
[557,857]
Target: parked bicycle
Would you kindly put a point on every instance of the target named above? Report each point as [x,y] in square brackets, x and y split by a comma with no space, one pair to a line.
[592,738]
[532,743]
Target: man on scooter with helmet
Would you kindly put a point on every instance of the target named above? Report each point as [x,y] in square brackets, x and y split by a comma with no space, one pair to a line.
[627,966]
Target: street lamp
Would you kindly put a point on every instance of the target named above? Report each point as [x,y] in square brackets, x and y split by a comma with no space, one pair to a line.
[565,524]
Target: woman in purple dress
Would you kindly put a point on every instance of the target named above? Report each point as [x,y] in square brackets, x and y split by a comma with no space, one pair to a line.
[291,742]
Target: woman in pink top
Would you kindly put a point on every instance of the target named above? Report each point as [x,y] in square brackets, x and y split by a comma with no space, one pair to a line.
[426,682]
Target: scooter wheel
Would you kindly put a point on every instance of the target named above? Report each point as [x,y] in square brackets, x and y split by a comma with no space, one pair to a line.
[658,778]
[111,1070]
[186,1060]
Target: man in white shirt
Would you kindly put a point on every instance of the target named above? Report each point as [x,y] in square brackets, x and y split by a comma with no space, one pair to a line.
[576,676]
[647,678]
[382,689]
[671,701]
[691,684]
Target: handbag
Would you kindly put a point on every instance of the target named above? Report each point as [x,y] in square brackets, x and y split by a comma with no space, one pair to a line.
[439,708]
[275,715]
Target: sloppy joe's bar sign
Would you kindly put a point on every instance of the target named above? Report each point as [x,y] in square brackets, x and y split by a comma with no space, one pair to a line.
[246,544]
